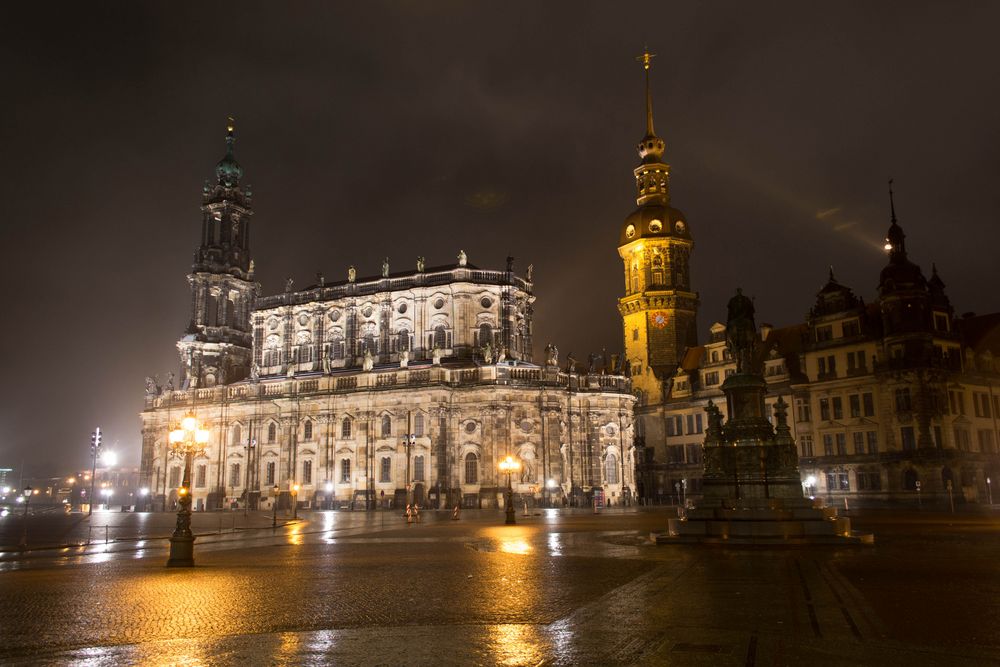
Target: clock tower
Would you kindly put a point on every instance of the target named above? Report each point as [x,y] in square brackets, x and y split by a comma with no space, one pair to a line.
[659,309]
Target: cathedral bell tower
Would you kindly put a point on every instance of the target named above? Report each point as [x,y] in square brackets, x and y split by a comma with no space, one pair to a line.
[217,347]
[659,309]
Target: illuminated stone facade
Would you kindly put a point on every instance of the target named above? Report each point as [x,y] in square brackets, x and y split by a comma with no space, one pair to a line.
[402,387]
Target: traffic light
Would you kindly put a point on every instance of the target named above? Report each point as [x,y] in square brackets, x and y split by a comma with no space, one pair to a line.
[95,440]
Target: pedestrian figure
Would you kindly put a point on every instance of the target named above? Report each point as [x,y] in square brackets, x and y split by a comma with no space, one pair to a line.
[416,512]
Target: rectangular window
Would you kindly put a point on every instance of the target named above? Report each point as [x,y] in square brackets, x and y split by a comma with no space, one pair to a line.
[859,442]
[872,437]
[690,424]
[824,409]
[824,333]
[345,471]
[418,426]
[802,410]
[838,407]
[675,454]
[855,403]
[699,426]
[711,379]
[269,473]
[844,482]
[827,444]
[671,429]
[841,444]
[418,468]
[837,481]
[822,366]
[307,472]
[986,441]
[694,453]
[903,400]
[869,403]
[869,480]
[199,478]
[385,470]
[962,439]
[807,445]
[851,329]
[908,438]
[234,474]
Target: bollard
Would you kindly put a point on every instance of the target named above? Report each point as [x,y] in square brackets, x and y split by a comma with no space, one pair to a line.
[105,534]
[454,515]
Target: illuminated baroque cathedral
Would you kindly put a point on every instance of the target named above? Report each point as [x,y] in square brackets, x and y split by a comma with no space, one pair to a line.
[402,387]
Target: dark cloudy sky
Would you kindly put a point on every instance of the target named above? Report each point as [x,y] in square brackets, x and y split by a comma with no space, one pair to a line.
[370,129]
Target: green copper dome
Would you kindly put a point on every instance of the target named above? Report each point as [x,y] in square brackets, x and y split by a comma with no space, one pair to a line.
[228,171]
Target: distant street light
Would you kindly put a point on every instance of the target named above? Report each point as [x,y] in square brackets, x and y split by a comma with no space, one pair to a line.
[27,500]
[509,465]
[295,502]
[186,439]
[95,451]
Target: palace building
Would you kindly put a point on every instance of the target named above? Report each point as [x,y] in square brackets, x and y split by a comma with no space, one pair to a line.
[407,386]
[894,401]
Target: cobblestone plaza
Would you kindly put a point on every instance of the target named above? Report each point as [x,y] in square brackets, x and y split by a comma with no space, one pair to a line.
[561,587]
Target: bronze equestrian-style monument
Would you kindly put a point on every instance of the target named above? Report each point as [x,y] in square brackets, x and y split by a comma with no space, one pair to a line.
[752,491]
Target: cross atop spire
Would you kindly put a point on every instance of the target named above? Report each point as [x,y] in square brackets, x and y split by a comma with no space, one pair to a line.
[647,63]
[892,205]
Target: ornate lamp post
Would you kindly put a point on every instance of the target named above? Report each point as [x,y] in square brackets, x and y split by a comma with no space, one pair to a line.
[185,440]
[509,465]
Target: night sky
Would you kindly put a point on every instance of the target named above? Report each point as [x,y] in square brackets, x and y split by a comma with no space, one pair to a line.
[419,128]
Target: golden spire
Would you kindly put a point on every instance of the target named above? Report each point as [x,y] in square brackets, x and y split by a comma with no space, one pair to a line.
[647,62]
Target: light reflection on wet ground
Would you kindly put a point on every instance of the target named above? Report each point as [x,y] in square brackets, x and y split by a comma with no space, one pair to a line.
[563,590]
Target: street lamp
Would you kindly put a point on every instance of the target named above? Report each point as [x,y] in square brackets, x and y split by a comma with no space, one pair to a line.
[27,499]
[328,487]
[144,493]
[295,502]
[509,465]
[274,507]
[186,439]
[107,498]
[95,451]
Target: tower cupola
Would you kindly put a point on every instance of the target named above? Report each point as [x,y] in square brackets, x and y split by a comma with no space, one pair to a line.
[228,171]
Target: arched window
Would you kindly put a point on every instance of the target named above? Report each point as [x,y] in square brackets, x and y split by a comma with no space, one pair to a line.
[272,432]
[485,335]
[403,340]
[440,337]
[418,425]
[237,435]
[345,471]
[345,428]
[471,468]
[386,426]
[418,468]
[307,430]
[611,469]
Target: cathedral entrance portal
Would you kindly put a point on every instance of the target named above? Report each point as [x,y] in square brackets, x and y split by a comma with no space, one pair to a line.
[418,494]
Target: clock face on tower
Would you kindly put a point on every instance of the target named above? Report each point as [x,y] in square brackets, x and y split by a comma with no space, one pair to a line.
[659,319]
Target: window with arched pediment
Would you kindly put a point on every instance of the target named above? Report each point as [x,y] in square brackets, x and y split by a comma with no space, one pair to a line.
[386,426]
[307,430]
[237,435]
[485,335]
[611,469]
[418,425]
[471,468]
[272,432]
[345,428]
